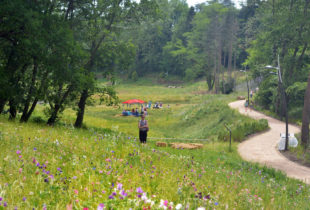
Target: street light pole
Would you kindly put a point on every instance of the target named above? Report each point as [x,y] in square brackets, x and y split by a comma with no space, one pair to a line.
[247,84]
[284,99]
[283,93]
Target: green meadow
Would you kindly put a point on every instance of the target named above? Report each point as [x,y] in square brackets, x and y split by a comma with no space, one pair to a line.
[103,166]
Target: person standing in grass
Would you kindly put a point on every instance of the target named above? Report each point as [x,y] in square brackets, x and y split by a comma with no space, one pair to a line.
[143,129]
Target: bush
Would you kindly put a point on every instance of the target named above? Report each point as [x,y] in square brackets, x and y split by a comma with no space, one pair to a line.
[227,86]
[134,76]
[240,131]
[190,75]
[267,93]
[162,75]
[38,119]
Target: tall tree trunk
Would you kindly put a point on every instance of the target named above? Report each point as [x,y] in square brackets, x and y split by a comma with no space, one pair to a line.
[217,82]
[53,117]
[80,115]
[13,109]
[58,105]
[43,86]
[215,70]
[305,116]
[2,104]
[230,59]
[33,106]
[30,93]
[95,46]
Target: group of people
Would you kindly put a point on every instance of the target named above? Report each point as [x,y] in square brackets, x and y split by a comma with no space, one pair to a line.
[158,105]
[135,112]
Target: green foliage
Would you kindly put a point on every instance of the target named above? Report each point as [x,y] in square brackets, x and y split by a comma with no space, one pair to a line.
[134,76]
[242,130]
[108,96]
[227,87]
[296,93]
[280,28]
[268,91]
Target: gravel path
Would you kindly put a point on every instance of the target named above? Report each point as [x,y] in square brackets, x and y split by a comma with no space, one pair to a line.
[262,148]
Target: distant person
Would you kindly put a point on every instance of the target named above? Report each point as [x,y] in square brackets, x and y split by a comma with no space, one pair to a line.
[145,112]
[251,94]
[143,129]
[246,104]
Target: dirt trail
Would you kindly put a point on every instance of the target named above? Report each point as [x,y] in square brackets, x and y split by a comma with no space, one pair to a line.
[262,148]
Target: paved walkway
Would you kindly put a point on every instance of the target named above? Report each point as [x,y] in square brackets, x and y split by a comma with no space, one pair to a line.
[262,148]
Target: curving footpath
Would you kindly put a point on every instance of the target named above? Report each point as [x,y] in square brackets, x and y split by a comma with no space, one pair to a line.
[262,148]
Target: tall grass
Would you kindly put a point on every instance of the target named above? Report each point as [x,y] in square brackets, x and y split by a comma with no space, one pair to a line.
[104,166]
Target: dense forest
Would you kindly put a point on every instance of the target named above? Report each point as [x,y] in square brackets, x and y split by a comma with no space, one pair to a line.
[54,50]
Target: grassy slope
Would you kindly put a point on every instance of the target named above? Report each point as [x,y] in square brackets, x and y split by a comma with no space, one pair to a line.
[87,165]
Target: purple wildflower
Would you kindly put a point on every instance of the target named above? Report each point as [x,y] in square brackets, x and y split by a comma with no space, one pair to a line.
[59,169]
[0,198]
[100,206]
[24,198]
[111,197]
[123,193]
[139,190]
[18,152]
[34,149]
[114,194]
[119,186]
[5,204]
[206,197]
[216,203]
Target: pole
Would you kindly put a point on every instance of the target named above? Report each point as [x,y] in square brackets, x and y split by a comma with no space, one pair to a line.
[247,84]
[284,103]
[229,136]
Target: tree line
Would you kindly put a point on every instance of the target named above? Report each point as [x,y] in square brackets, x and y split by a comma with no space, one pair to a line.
[51,49]
[280,29]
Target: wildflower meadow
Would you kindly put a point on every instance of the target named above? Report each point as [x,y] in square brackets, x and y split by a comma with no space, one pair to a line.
[60,167]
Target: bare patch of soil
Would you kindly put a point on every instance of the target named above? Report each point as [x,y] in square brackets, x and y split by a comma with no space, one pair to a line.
[186,145]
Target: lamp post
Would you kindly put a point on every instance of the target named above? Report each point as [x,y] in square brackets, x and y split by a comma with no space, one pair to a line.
[283,95]
[247,84]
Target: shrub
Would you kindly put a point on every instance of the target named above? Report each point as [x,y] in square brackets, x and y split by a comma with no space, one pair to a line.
[37,119]
[227,86]
[134,76]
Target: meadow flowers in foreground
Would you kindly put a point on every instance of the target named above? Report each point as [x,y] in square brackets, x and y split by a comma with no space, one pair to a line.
[57,168]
